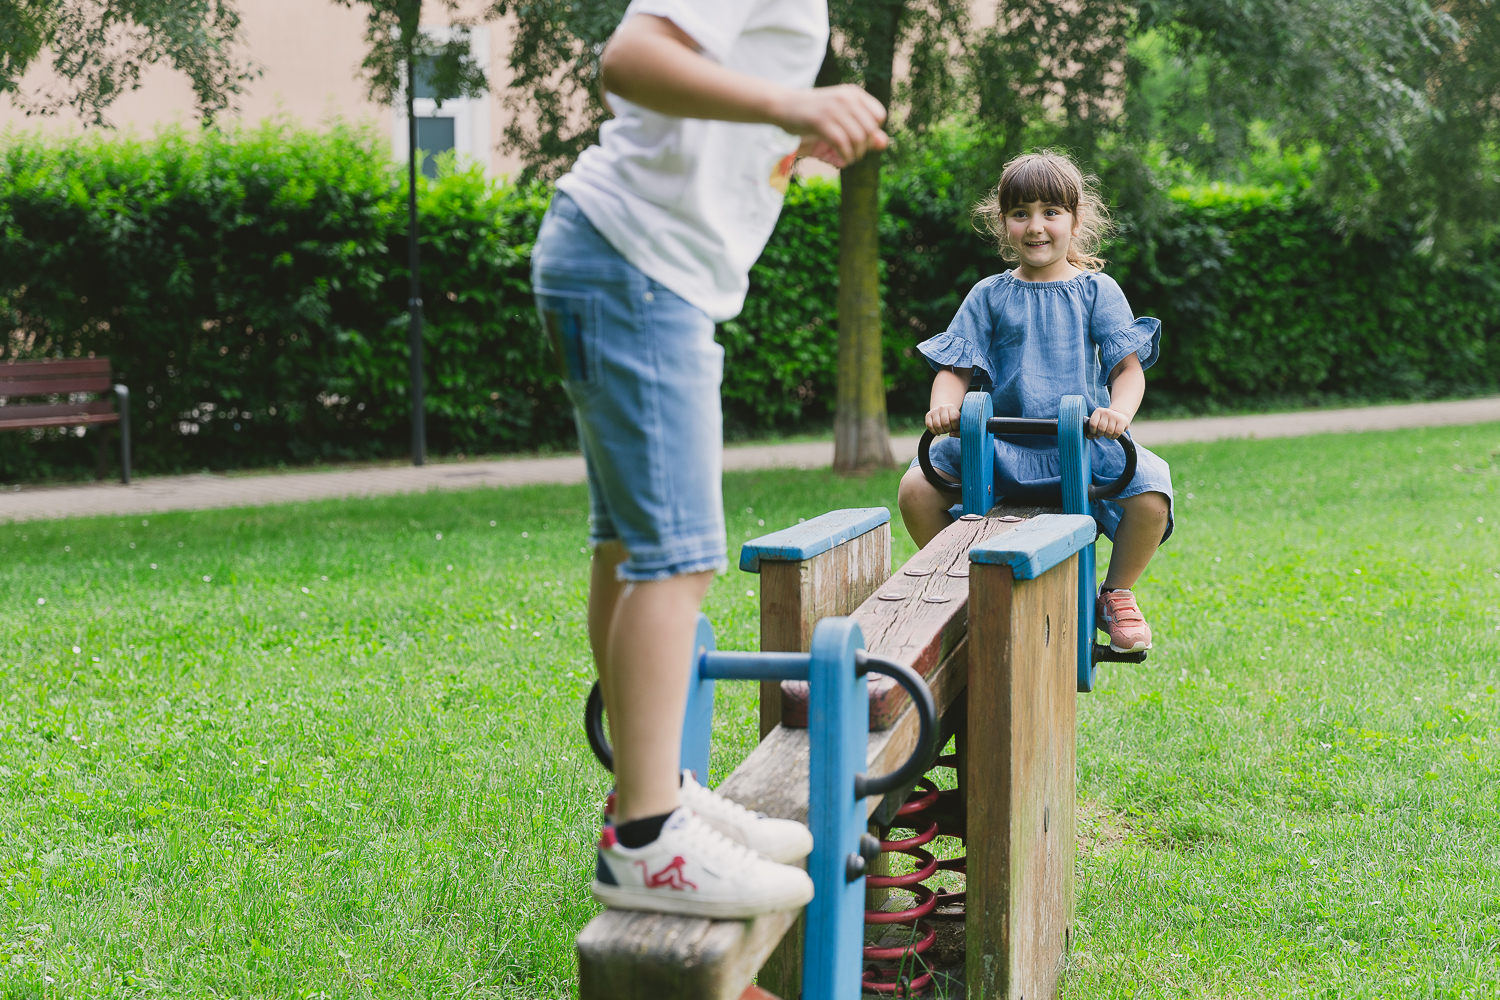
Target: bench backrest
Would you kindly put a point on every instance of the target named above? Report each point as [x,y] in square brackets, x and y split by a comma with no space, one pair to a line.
[47,377]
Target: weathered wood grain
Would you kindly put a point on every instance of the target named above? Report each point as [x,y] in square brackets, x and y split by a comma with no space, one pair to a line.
[654,956]
[1019,763]
[795,595]
[916,618]
[773,778]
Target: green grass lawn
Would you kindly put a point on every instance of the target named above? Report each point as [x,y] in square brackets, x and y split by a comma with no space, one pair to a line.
[334,749]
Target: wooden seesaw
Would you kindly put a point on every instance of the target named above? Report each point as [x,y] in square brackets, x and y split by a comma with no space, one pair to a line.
[984,636]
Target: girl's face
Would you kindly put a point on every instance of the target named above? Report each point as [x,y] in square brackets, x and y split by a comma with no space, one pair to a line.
[1041,233]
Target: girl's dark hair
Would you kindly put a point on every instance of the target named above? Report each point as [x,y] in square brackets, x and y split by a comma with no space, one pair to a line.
[1053,178]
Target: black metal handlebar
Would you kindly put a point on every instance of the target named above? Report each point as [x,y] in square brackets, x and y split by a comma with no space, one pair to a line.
[943,486]
[926,748]
[911,770]
[593,724]
[1026,425]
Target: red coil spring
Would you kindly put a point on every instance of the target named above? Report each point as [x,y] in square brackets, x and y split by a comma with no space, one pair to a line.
[900,981]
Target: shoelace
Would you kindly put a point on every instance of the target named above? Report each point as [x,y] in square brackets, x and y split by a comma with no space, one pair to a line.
[1122,608]
[696,792]
[717,845]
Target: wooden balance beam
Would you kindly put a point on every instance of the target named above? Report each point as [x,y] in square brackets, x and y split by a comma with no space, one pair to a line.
[1018,761]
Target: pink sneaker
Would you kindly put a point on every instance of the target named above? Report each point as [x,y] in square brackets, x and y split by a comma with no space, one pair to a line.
[1119,615]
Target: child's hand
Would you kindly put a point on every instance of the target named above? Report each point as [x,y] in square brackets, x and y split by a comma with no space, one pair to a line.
[943,419]
[1104,423]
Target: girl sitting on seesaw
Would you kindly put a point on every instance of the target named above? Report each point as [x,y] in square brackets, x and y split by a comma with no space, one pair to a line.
[1055,325]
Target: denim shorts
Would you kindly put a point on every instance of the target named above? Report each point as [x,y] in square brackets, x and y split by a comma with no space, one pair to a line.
[643,372]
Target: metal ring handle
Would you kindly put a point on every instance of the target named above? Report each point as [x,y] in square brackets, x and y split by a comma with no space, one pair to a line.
[939,483]
[1117,487]
[926,748]
[1008,425]
[593,724]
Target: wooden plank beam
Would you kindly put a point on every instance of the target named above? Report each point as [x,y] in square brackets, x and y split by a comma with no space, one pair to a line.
[654,956]
[918,616]
[773,778]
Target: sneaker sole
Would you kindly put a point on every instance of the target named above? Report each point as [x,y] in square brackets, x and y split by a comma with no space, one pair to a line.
[1133,649]
[621,898]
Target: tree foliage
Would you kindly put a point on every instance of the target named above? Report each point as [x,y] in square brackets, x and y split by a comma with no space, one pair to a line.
[99,48]
[396,41]
[554,98]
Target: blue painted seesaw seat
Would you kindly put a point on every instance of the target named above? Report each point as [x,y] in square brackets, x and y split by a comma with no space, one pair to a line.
[978,426]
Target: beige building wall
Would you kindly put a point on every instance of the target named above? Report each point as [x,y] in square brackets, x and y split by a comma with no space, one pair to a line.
[309,53]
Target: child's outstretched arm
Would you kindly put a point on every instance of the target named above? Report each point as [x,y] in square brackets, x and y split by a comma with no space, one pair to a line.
[1127,387]
[654,63]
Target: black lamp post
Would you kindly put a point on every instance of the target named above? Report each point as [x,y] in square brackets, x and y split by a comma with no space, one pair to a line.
[414,302]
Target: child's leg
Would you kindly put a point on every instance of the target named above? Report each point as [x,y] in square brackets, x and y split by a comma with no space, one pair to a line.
[644,632]
[924,510]
[1137,538]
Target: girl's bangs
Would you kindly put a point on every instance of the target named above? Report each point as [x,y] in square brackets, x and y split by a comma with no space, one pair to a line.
[1038,179]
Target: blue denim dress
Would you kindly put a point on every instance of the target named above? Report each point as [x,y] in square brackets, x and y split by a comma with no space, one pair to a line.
[1034,342]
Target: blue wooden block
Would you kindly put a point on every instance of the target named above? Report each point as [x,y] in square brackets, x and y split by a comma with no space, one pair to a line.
[698,720]
[978,451]
[1037,545]
[812,537]
[838,721]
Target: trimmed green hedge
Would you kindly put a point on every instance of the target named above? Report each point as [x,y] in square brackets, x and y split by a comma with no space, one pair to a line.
[250,288]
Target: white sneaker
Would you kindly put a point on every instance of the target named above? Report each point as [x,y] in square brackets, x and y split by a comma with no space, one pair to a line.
[694,871]
[783,840]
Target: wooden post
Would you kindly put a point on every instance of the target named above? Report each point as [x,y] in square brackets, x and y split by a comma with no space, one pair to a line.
[822,567]
[1023,620]
[825,566]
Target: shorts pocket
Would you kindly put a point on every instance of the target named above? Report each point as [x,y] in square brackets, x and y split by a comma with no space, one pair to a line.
[571,320]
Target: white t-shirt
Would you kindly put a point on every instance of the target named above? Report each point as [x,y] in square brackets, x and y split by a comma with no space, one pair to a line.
[692,202]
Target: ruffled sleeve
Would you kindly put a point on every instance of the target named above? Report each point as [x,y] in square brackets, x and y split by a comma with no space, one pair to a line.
[966,342]
[1117,332]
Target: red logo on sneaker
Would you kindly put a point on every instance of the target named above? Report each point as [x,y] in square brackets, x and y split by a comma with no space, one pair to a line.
[671,876]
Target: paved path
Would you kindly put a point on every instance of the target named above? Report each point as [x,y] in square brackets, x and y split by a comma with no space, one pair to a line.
[201,492]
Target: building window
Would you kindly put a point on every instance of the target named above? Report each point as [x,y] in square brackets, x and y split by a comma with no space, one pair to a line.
[434,136]
[461,124]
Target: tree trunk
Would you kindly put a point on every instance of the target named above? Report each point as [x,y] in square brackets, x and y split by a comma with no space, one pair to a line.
[861,436]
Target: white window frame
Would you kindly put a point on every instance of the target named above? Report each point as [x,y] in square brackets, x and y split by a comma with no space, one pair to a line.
[471,115]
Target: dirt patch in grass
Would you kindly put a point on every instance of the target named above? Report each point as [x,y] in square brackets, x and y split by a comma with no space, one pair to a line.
[1099,829]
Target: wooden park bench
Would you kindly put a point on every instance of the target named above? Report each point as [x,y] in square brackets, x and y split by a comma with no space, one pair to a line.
[62,383]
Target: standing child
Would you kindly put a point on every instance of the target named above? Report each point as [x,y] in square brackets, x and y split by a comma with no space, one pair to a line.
[647,244]
[1053,326]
